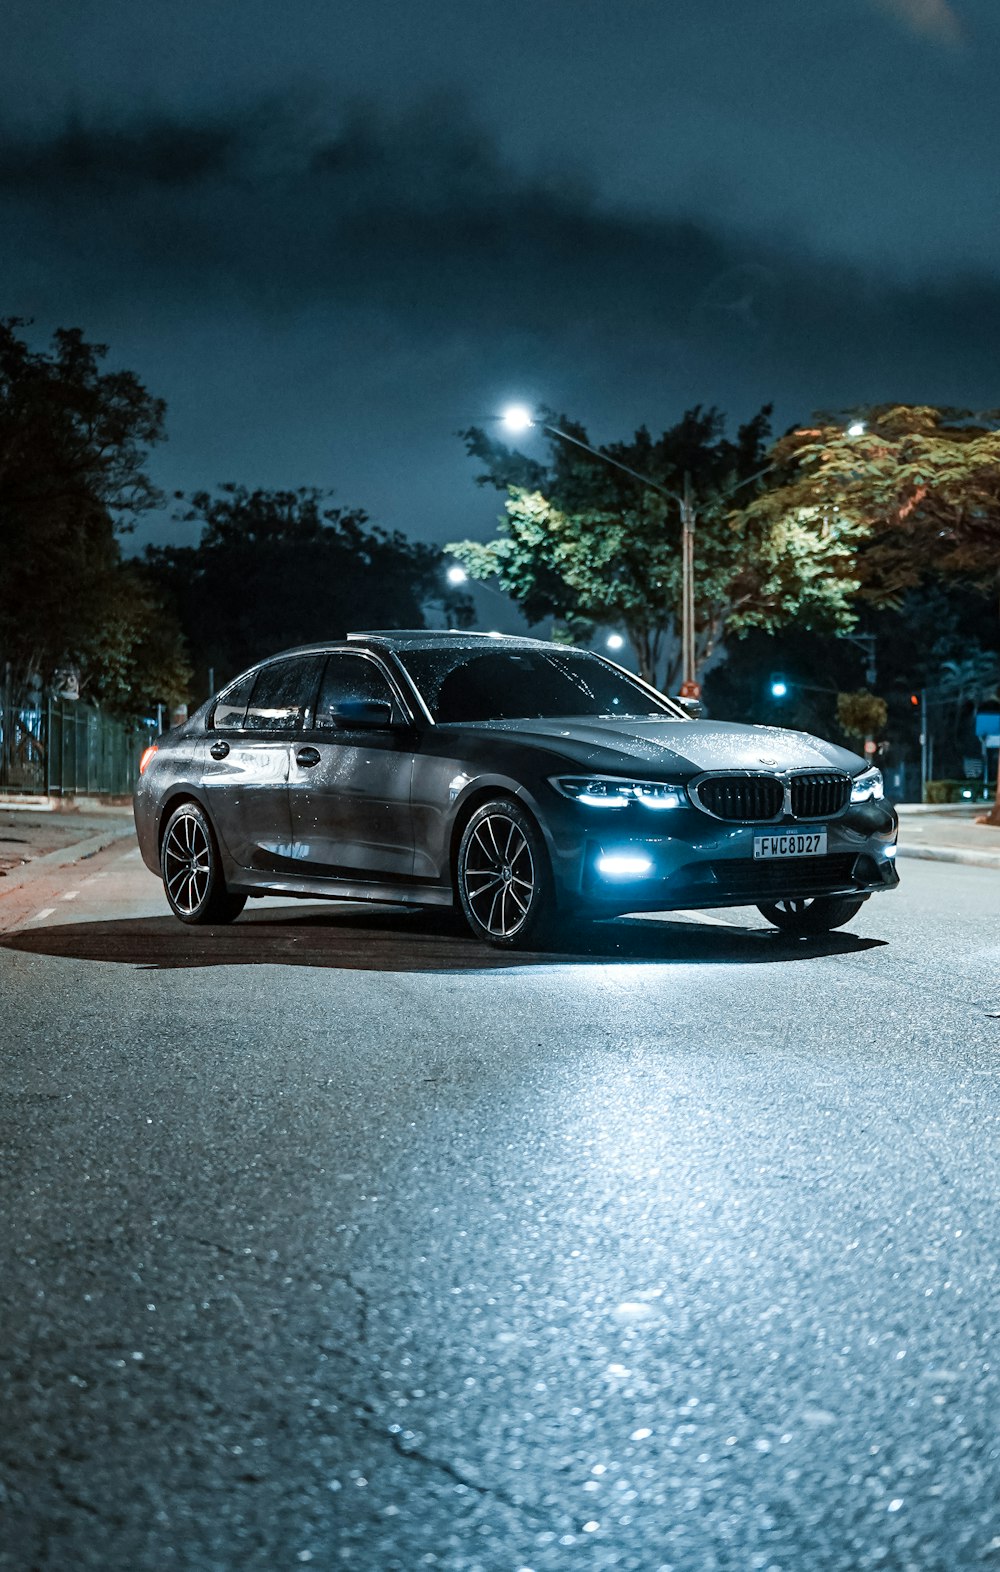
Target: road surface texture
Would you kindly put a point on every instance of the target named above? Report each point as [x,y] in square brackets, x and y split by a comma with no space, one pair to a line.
[334,1239]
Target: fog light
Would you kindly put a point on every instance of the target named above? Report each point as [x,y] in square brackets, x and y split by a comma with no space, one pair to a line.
[620,864]
[890,851]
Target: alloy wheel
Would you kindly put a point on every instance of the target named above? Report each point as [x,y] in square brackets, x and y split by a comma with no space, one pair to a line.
[499,875]
[813,914]
[187,864]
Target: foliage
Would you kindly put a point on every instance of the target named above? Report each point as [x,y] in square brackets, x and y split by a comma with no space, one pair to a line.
[278,568]
[587,544]
[74,441]
[951,791]
[135,658]
[919,487]
[862,714]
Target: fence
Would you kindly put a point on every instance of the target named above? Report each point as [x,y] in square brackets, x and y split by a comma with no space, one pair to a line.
[61,747]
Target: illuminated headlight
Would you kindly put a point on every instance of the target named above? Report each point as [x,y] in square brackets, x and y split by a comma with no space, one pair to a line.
[890,851]
[605,791]
[867,787]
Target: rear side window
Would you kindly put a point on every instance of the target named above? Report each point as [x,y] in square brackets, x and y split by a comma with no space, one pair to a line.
[349,677]
[231,706]
[282,694]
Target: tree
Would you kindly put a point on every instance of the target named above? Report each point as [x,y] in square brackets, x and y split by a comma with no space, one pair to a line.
[279,568]
[135,658]
[583,542]
[74,441]
[917,487]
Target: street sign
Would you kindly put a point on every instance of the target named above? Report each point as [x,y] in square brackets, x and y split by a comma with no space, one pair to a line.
[988,721]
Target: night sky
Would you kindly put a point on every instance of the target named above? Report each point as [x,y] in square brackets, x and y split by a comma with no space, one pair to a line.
[331,232]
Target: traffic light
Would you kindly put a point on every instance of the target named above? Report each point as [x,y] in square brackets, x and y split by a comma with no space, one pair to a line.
[915,700]
[779,686]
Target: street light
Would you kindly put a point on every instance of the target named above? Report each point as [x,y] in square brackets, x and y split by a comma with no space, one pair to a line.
[517,418]
[457,575]
[615,641]
[856,428]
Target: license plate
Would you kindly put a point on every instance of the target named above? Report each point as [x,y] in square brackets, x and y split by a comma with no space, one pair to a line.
[791,843]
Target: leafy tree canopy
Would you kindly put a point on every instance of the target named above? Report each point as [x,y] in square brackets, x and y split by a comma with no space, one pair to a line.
[74,442]
[585,543]
[918,486]
[278,568]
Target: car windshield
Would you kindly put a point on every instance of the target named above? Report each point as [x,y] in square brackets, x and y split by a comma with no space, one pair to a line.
[526,684]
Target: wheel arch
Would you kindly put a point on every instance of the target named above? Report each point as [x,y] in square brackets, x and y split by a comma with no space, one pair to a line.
[174,800]
[475,800]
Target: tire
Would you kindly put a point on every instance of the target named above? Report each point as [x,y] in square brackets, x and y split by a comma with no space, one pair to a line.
[818,914]
[503,876]
[191,870]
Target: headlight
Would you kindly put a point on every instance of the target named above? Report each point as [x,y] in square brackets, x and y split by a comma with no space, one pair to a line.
[606,791]
[867,787]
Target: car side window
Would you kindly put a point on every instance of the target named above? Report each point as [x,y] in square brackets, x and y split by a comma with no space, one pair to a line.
[231,706]
[282,694]
[350,677]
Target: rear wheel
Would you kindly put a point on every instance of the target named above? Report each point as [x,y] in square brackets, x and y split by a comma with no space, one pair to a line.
[817,914]
[503,875]
[192,870]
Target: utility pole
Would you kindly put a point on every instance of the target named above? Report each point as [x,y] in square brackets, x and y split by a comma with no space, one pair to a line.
[519,419]
[924,743]
[690,686]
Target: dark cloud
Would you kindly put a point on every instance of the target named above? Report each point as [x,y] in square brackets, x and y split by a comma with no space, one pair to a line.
[329,302]
[419,218]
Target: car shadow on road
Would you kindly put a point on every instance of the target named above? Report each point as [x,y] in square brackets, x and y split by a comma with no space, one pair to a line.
[400,940]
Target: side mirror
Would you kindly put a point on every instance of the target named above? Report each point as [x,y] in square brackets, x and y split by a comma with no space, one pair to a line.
[693,708]
[374,714]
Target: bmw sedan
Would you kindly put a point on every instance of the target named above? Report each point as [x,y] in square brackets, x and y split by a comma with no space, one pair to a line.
[522,782]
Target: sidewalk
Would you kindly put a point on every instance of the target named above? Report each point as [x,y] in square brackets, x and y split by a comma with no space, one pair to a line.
[29,839]
[949,835]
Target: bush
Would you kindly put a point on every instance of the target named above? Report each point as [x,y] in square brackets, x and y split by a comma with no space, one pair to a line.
[951,791]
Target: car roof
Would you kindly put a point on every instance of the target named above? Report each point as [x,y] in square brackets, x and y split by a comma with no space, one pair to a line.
[419,638]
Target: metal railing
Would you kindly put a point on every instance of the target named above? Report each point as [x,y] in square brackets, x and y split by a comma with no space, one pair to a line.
[61,747]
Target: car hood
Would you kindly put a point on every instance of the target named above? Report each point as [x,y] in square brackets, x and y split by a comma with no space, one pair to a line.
[684,748]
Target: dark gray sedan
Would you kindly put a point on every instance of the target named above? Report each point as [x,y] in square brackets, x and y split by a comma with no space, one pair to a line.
[521,781]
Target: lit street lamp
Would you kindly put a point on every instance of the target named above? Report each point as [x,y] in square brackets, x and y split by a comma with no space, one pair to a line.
[615,641]
[517,419]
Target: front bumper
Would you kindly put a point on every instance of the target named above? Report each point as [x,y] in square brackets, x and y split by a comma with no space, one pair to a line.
[697,861]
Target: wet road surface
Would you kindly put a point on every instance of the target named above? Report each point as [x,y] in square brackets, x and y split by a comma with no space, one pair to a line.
[333,1238]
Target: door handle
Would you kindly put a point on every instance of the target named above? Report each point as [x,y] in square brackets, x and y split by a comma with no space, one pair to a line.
[307,757]
[218,750]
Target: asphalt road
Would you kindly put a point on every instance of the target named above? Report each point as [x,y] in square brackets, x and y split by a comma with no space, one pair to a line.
[335,1239]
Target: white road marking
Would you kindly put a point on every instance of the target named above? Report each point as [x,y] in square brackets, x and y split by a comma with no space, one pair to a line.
[129,855]
[71,895]
[693,916]
[46,911]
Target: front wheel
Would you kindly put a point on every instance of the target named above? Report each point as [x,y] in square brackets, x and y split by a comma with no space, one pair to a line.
[503,876]
[192,870]
[817,914]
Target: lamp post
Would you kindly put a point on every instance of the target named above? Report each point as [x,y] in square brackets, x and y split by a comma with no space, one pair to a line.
[518,419]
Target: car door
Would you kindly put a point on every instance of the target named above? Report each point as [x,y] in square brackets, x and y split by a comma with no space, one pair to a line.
[349,780]
[248,757]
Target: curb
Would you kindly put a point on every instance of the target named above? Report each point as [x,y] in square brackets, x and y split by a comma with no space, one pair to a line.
[952,809]
[975,859]
[65,854]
